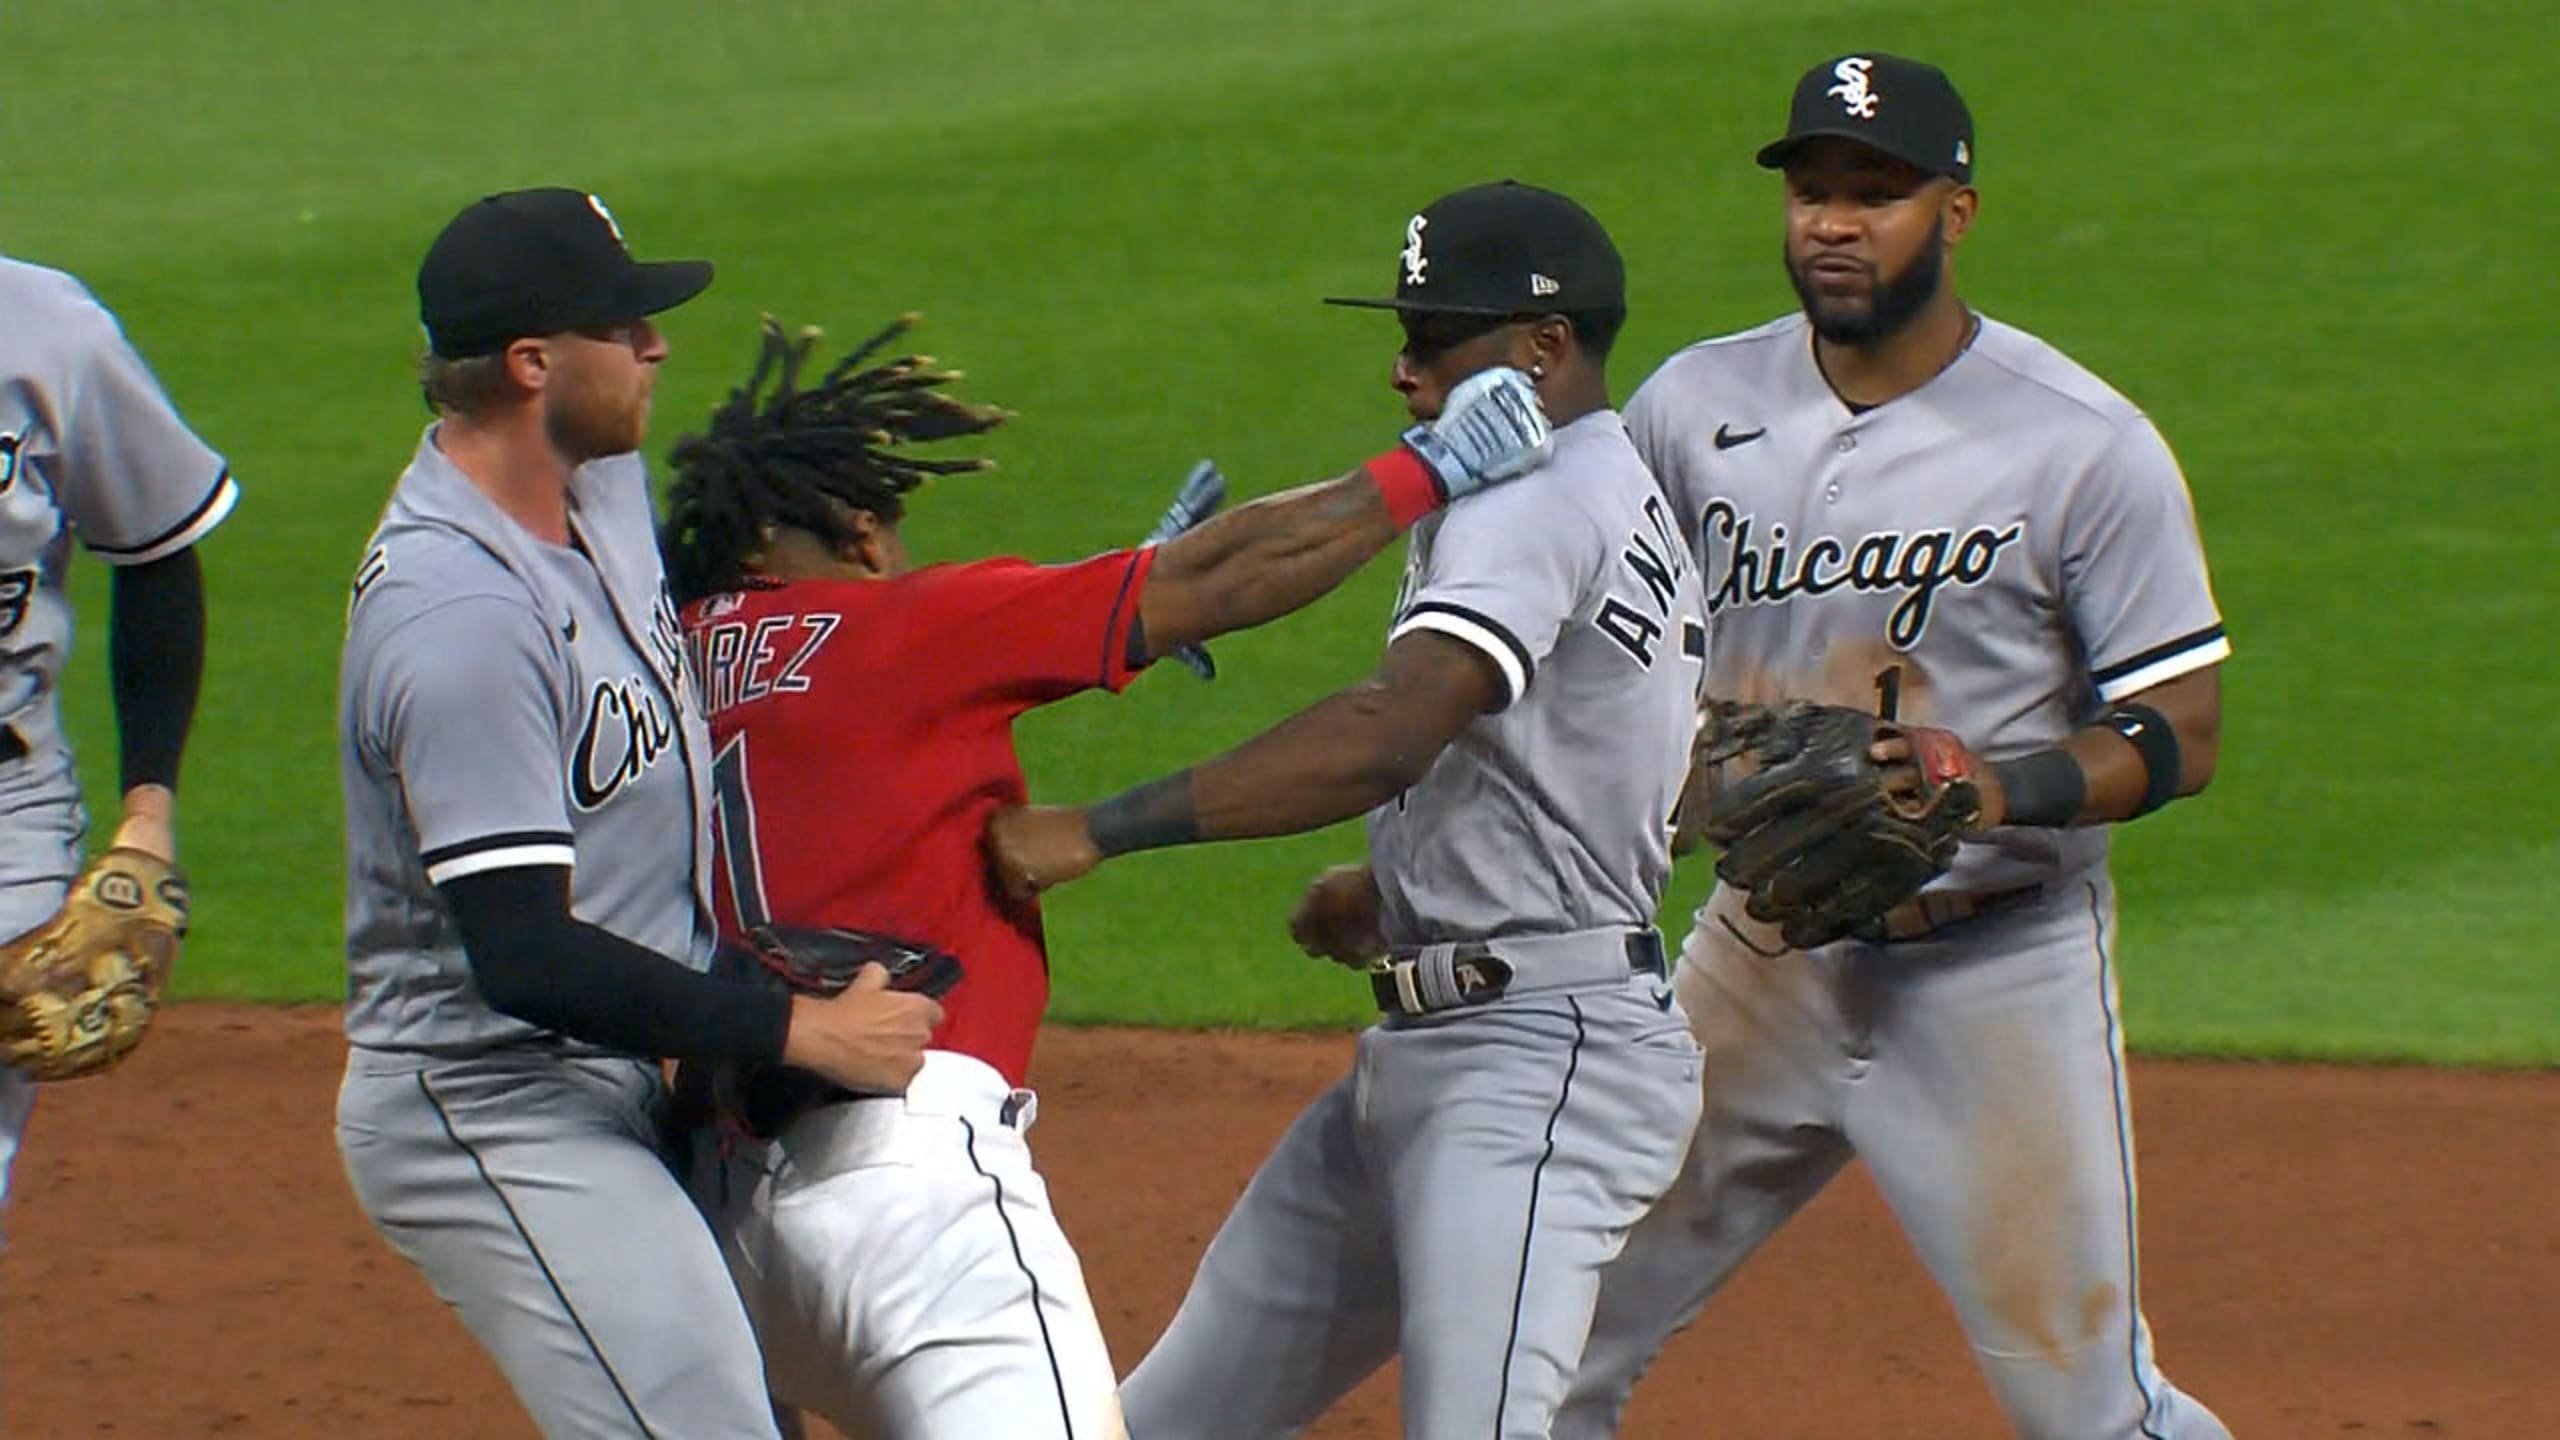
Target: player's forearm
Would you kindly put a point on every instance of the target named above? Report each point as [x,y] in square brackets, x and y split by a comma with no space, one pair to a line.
[2152,747]
[155,655]
[1340,758]
[1263,560]
[533,962]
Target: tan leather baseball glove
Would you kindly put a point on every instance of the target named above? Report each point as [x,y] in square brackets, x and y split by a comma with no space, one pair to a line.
[77,992]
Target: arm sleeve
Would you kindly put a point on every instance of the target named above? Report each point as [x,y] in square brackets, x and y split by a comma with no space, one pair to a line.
[155,651]
[534,962]
[136,483]
[2133,570]
[1504,572]
[1036,633]
[470,717]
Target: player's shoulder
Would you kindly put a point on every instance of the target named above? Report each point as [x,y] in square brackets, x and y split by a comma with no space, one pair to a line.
[2034,372]
[1719,360]
[419,567]
[1592,472]
[52,309]
[409,570]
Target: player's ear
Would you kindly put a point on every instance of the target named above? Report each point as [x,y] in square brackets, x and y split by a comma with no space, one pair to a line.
[1960,204]
[874,543]
[529,363]
[1549,341]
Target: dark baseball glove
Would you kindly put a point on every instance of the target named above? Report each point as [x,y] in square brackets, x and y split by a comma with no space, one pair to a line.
[77,992]
[1824,839]
[761,1101]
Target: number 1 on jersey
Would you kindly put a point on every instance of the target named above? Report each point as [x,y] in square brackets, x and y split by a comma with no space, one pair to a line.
[1889,692]
[737,833]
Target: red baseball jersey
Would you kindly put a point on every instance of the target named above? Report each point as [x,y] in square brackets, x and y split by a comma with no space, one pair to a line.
[863,734]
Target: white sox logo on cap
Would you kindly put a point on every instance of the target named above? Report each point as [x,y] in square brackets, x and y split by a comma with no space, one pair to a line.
[1852,91]
[1416,265]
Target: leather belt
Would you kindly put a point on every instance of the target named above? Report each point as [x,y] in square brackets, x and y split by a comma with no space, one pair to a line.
[1926,914]
[1430,979]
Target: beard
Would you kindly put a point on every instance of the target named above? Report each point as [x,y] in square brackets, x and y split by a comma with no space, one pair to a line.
[1891,301]
[592,427]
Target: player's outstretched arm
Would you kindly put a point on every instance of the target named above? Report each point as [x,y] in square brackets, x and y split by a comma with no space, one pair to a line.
[155,656]
[1343,756]
[1261,561]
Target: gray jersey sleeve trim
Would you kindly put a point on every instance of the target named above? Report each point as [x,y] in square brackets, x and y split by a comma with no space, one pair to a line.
[2162,663]
[1481,631]
[499,852]
[215,509]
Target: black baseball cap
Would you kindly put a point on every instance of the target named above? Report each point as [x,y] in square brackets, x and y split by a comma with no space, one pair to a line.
[1905,108]
[538,262]
[1504,249]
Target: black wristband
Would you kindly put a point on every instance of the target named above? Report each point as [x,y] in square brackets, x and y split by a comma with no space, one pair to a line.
[1149,817]
[2045,788]
[2157,741]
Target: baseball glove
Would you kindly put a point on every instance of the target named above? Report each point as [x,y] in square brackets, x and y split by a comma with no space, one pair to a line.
[1824,839]
[760,1101]
[77,992]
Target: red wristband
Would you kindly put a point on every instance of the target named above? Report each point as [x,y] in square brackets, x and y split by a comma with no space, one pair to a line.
[1406,484]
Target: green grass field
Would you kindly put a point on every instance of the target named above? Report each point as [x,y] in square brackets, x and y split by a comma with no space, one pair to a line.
[2306,236]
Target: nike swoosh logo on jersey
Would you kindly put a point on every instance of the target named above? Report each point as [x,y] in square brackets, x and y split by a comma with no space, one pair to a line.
[1727,437]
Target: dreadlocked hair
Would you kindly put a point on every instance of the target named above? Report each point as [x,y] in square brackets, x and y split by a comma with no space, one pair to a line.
[777,454]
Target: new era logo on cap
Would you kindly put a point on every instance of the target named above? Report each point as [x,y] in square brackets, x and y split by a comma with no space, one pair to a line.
[1500,249]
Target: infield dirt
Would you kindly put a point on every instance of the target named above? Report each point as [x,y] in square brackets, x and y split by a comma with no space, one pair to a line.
[2327,1252]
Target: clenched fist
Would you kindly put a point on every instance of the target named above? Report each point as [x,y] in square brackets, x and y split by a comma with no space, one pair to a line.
[1034,847]
[1337,919]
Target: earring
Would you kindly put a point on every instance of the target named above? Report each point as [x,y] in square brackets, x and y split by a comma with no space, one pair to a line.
[1538,370]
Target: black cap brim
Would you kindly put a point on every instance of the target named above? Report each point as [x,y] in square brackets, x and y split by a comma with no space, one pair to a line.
[1418,308]
[652,286]
[1774,155]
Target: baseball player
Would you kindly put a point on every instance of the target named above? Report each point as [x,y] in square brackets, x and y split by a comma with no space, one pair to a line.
[1531,1089]
[898,1256]
[528,822]
[90,450]
[1895,498]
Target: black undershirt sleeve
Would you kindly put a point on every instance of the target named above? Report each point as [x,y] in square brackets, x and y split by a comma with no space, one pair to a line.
[535,962]
[155,652]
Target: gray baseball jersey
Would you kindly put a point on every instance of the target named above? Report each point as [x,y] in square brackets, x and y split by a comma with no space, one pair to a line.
[1455,1198]
[90,449]
[1534,821]
[2009,546]
[503,701]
